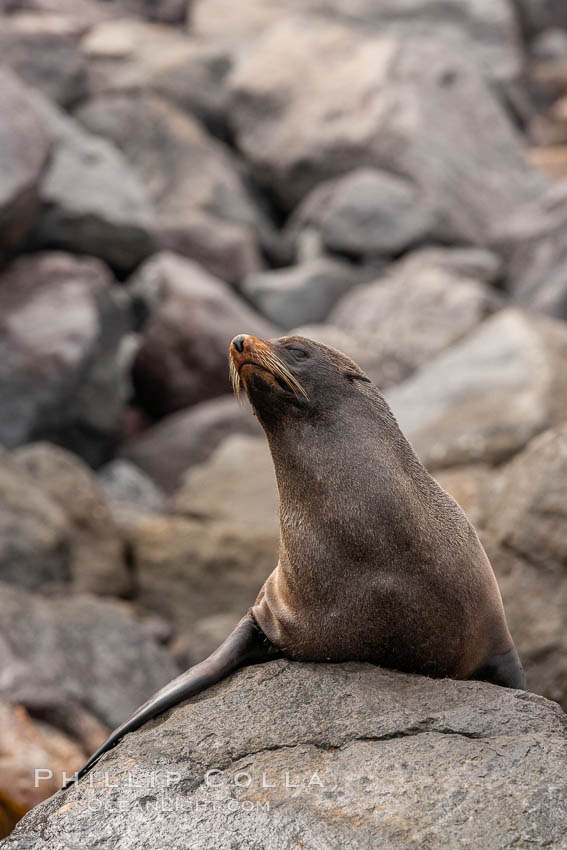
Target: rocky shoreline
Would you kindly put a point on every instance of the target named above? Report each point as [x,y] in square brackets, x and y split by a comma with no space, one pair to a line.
[387,178]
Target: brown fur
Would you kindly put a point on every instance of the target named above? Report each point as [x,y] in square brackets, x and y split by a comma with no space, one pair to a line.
[377,562]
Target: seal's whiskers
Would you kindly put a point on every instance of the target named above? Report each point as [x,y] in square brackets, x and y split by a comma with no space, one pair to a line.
[270,361]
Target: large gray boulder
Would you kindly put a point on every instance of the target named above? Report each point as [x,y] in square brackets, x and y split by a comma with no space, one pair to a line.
[417,308]
[326,756]
[129,490]
[392,102]
[35,537]
[532,493]
[487,29]
[202,567]
[83,657]
[167,450]
[365,214]
[92,202]
[61,376]
[519,511]
[237,484]
[97,550]
[183,353]
[44,52]
[129,56]
[527,540]
[24,144]
[484,398]
[203,208]
[303,293]
[533,242]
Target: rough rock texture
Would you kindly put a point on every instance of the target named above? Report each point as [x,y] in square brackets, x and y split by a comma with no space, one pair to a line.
[129,56]
[165,11]
[24,746]
[302,293]
[98,557]
[377,759]
[125,485]
[191,178]
[488,29]
[34,532]
[61,328]
[202,567]
[532,492]
[187,438]
[43,51]
[236,484]
[534,243]
[182,358]
[391,102]
[212,556]
[92,202]
[476,263]
[483,399]
[24,146]
[189,570]
[526,538]
[366,213]
[541,14]
[85,665]
[413,311]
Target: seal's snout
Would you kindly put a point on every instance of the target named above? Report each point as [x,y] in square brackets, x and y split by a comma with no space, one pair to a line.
[238,342]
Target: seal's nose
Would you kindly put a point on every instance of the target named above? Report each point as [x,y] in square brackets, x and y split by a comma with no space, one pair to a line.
[238,342]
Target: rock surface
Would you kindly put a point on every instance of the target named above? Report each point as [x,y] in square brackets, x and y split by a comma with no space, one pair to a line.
[534,244]
[483,399]
[182,358]
[375,759]
[414,310]
[191,179]
[302,293]
[25,746]
[210,558]
[126,486]
[488,30]
[366,213]
[527,540]
[97,552]
[34,532]
[25,144]
[201,566]
[236,484]
[61,327]
[400,110]
[92,202]
[128,56]
[187,438]
[85,665]
[43,51]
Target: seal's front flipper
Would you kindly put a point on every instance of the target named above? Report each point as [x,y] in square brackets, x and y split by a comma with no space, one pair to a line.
[247,644]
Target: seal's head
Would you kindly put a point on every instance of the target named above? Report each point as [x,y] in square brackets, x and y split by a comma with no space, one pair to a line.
[292,377]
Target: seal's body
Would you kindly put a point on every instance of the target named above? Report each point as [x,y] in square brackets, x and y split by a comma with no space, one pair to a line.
[377,563]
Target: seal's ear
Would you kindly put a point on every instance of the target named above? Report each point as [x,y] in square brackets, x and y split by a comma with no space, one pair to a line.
[356,376]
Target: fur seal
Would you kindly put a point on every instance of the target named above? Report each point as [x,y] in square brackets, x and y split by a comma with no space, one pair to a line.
[377,563]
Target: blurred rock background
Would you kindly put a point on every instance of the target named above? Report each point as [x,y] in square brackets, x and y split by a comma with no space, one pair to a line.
[385,176]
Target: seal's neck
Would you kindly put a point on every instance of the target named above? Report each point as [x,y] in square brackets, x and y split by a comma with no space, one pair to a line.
[335,474]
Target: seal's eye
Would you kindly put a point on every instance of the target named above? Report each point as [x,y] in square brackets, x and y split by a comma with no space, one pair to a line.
[298,353]
[354,376]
